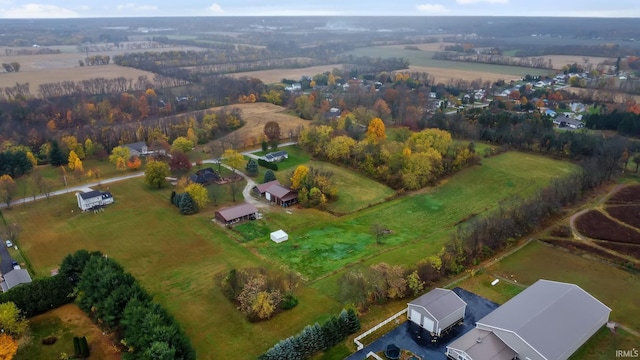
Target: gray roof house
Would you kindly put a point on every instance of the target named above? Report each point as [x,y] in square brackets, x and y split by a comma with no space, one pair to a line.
[437,310]
[276,156]
[547,321]
[14,278]
[95,198]
[137,148]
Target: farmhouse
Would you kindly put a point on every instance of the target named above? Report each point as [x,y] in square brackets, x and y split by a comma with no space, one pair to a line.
[437,311]
[138,148]
[260,189]
[234,214]
[206,176]
[14,278]
[276,156]
[90,199]
[548,320]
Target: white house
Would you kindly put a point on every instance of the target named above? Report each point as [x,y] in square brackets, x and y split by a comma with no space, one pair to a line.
[276,156]
[437,310]
[138,148]
[547,321]
[90,199]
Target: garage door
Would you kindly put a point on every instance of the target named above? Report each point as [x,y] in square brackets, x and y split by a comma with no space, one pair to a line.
[416,317]
[427,323]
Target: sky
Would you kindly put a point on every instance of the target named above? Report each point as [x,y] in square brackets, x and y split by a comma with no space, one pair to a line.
[150,8]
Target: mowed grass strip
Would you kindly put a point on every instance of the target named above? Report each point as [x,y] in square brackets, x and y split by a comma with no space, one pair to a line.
[615,287]
[419,221]
[176,258]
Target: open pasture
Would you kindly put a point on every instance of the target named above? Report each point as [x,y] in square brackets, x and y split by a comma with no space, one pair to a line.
[176,258]
[418,221]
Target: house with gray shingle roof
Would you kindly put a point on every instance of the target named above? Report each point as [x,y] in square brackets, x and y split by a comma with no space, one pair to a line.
[549,320]
[14,278]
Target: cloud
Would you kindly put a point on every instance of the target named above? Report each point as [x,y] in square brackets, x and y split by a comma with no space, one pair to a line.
[37,11]
[467,2]
[136,7]
[216,8]
[432,8]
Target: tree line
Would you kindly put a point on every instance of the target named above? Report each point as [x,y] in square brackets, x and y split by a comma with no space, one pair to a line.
[533,62]
[313,339]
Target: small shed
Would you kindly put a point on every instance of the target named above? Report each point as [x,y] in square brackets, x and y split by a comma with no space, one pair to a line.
[279,236]
[437,310]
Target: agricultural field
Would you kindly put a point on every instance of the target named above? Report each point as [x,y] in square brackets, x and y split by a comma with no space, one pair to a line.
[176,258]
[256,115]
[424,59]
[64,323]
[42,69]
[276,75]
[418,224]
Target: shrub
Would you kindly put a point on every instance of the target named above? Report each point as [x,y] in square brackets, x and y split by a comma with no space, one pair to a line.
[76,346]
[49,340]
[289,302]
[84,347]
[268,165]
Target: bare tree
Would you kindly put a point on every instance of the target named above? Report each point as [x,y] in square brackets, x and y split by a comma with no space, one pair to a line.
[378,232]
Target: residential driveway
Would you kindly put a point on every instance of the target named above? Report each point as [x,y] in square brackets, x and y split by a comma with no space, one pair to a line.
[5,265]
[410,336]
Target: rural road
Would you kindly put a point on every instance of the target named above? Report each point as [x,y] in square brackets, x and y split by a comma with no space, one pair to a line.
[246,191]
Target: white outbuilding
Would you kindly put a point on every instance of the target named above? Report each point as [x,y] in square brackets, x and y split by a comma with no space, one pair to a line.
[279,236]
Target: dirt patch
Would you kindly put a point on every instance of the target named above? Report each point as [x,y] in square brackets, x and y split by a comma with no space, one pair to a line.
[627,195]
[629,214]
[444,75]
[631,250]
[256,115]
[562,231]
[276,75]
[596,225]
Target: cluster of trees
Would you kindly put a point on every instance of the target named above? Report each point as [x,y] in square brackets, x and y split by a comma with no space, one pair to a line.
[189,197]
[94,60]
[13,325]
[315,186]
[315,338]
[410,160]
[377,284]
[115,298]
[533,62]
[40,295]
[626,123]
[16,161]
[260,294]
[11,67]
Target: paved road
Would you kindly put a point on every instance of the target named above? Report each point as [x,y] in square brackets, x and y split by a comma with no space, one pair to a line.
[6,264]
[73,189]
[246,192]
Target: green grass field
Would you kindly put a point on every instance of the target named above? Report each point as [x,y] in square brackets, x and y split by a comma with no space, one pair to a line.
[615,287]
[419,223]
[176,258]
[425,58]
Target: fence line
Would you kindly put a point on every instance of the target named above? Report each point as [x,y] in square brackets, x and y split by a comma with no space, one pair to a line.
[359,345]
[371,353]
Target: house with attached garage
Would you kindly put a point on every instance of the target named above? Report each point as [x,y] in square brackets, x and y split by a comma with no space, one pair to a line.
[437,311]
[95,198]
[138,148]
[549,320]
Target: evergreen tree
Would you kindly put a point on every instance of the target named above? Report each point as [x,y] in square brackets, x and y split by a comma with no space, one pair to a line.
[354,322]
[252,167]
[187,205]
[56,157]
[269,176]
[265,145]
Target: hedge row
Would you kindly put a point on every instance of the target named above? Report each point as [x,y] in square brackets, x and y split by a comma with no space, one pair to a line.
[268,165]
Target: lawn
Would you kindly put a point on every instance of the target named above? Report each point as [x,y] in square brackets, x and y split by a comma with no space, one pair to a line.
[64,323]
[425,58]
[418,223]
[615,287]
[176,258]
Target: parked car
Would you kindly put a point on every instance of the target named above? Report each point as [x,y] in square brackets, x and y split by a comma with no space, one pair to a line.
[15,265]
[9,243]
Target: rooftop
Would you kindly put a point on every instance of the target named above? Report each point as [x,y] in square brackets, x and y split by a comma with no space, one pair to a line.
[234,212]
[439,302]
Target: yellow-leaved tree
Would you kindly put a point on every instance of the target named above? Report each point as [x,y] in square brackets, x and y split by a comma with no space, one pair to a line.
[73,157]
[299,177]
[199,194]
[376,131]
[11,321]
[233,158]
[8,347]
